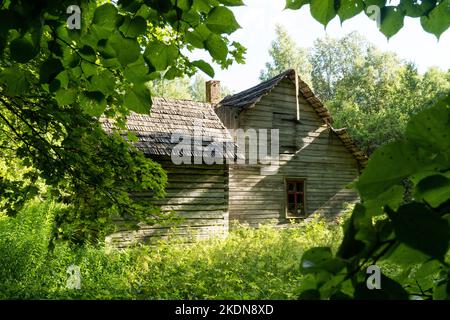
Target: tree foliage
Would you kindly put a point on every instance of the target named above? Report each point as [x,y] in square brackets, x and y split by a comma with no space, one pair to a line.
[385,228]
[434,14]
[183,88]
[389,225]
[370,92]
[286,54]
[56,82]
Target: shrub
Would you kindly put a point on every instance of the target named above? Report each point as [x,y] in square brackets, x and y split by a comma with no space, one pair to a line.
[250,263]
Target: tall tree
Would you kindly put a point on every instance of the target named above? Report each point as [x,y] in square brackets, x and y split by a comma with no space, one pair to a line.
[286,54]
[176,89]
[370,92]
[378,97]
[335,59]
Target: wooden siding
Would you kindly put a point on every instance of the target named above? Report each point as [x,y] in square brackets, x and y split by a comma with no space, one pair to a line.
[318,156]
[198,193]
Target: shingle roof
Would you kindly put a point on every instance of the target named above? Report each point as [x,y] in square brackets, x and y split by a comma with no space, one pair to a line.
[248,98]
[169,116]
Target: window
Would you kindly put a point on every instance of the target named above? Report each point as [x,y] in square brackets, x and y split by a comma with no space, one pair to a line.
[295,198]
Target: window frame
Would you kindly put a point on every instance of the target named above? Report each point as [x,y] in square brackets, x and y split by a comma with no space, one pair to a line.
[288,180]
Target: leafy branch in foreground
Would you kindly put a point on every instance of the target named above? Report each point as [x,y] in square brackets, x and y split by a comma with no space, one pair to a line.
[56,82]
[385,228]
[434,14]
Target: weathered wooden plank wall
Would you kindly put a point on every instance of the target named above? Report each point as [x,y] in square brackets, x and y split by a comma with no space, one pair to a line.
[198,193]
[319,157]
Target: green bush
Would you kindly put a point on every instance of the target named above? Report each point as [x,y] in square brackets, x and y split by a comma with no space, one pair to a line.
[24,245]
[250,263]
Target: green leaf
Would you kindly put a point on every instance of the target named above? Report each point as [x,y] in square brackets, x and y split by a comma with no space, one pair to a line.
[442,290]
[93,103]
[349,8]
[192,17]
[232,2]
[138,99]
[204,66]
[378,3]
[364,228]
[390,290]
[221,20]
[89,69]
[63,78]
[198,36]
[49,70]
[65,96]
[106,16]
[217,47]
[70,59]
[159,5]
[350,246]
[173,73]
[323,10]
[137,72]
[133,27]
[392,197]
[320,259]
[391,20]
[184,5]
[419,228]
[104,82]
[415,9]
[295,4]
[430,128]
[435,190]
[310,294]
[404,255]
[429,268]
[22,50]
[161,55]
[438,20]
[127,50]
[15,81]
[387,167]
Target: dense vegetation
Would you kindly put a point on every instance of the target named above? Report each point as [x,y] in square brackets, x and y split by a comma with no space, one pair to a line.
[404,212]
[249,264]
[403,217]
[56,83]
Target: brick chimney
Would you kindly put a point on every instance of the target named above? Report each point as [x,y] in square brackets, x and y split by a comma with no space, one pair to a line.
[212,91]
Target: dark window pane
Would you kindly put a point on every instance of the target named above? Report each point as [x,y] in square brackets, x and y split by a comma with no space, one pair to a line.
[291,199]
[291,207]
[291,186]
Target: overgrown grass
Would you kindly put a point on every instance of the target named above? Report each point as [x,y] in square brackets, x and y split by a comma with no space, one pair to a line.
[249,264]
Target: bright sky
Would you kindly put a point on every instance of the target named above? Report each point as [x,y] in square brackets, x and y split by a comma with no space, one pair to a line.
[259,17]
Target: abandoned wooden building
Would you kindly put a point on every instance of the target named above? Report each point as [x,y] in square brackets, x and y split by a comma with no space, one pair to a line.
[315,162]
[197,192]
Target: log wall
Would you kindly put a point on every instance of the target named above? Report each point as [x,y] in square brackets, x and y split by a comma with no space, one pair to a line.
[308,150]
[197,193]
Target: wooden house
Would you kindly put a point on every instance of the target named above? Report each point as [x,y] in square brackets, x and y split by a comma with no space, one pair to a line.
[198,192]
[315,161]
